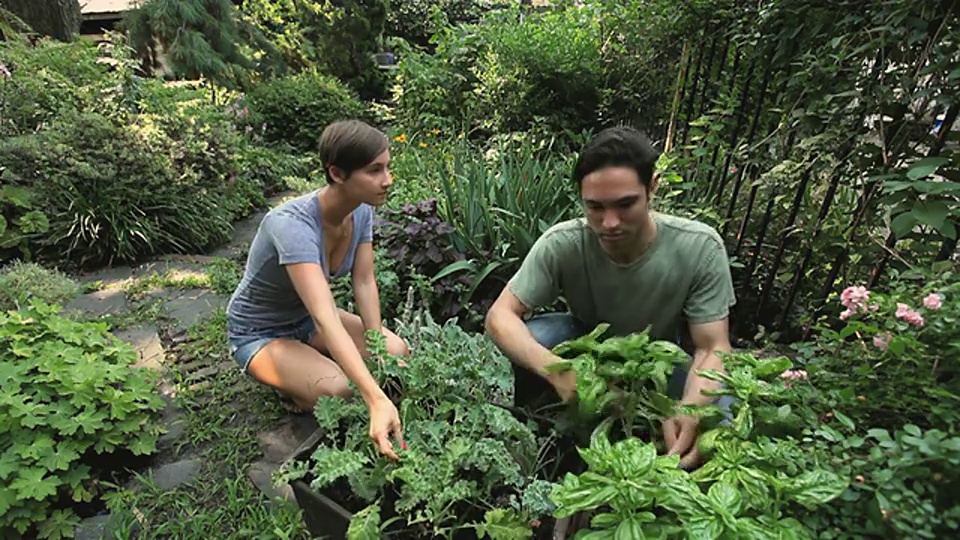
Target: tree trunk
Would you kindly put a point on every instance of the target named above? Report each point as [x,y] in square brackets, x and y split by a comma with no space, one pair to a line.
[59,19]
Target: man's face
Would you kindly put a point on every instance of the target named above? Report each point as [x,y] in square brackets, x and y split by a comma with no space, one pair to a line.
[617,206]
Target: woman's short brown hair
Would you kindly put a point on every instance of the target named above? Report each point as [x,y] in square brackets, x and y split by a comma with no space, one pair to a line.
[349,145]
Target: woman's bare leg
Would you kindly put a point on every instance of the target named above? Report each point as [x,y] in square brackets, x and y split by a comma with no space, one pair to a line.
[354,326]
[299,371]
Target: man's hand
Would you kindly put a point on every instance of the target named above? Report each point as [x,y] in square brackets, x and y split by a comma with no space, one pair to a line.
[384,422]
[681,432]
[565,383]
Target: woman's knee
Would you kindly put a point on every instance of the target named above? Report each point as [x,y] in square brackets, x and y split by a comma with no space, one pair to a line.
[338,386]
[396,346]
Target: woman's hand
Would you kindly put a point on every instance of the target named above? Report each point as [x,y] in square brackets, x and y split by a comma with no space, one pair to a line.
[384,422]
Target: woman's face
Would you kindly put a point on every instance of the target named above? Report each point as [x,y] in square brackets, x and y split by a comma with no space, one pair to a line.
[370,184]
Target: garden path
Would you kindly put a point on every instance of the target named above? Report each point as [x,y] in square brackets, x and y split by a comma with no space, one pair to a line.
[156,317]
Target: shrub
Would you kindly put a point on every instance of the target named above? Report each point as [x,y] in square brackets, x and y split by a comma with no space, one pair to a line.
[296,109]
[415,239]
[416,21]
[273,169]
[69,394]
[117,192]
[21,282]
[45,80]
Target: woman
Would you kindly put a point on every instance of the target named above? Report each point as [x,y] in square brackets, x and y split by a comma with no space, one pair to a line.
[282,323]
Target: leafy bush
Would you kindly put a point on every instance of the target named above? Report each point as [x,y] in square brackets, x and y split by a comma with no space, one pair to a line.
[45,80]
[563,70]
[415,240]
[21,282]
[335,38]
[436,91]
[416,21]
[756,480]
[69,394]
[118,192]
[296,109]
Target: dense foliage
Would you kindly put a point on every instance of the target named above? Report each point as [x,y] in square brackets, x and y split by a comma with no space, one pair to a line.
[69,395]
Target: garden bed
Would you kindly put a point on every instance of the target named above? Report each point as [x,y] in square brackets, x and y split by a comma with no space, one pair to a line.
[331,507]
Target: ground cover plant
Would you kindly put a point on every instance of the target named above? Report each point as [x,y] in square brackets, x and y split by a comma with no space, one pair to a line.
[71,402]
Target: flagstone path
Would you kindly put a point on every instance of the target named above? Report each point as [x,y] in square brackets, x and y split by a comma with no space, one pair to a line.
[157,340]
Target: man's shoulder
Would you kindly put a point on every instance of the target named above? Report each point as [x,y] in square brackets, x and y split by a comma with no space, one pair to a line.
[565,235]
[689,229]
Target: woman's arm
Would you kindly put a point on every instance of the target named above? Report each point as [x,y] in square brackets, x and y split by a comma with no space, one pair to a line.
[365,291]
[309,281]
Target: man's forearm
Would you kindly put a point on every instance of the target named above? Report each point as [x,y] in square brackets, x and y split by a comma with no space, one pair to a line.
[516,342]
[696,384]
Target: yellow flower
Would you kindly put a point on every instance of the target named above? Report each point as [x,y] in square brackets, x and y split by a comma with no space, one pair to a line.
[401,138]
[423,145]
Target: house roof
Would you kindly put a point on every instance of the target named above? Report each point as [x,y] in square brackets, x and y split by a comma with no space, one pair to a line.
[91,7]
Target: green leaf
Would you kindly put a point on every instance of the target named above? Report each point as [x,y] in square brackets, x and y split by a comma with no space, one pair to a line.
[771,367]
[844,419]
[629,529]
[903,224]
[365,524]
[704,528]
[8,497]
[34,483]
[932,213]
[724,498]
[60,524]
[912,429]
[815,488]
[925,167]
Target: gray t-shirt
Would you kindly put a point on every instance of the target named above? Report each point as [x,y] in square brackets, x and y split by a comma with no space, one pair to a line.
[290,233]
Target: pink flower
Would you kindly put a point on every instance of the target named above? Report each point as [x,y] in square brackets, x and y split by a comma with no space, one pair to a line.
[853,297]
[791,375]
[933,301]
[906,313]
[846,314]
[882,341]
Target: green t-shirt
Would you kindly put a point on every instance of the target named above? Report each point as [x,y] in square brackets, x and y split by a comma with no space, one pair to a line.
[683,276]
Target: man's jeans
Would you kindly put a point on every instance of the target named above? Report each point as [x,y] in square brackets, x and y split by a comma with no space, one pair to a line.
[533,392]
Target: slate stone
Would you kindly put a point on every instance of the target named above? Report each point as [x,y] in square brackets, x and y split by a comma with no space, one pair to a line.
[283,441]
[146,340]
[96,527]
[109,278]
[177,270]
[243,233]
[176,474]
[190,306]
[99,303]
[260,474]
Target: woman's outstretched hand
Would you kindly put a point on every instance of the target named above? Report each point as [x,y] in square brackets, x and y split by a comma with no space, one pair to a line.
[384,423]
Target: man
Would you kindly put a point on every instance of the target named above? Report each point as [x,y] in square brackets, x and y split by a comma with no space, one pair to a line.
[625,265]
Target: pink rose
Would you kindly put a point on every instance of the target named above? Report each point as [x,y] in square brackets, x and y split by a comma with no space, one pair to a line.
[854,296]
[933,301]
[882,341]
[906,313]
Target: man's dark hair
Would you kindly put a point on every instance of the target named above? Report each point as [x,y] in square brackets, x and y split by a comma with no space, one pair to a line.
[620,146]
[350,145]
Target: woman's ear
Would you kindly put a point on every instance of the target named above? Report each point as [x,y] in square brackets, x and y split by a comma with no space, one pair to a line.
[335,174]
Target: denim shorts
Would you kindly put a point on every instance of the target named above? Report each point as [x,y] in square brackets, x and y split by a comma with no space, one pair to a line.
[245,343]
